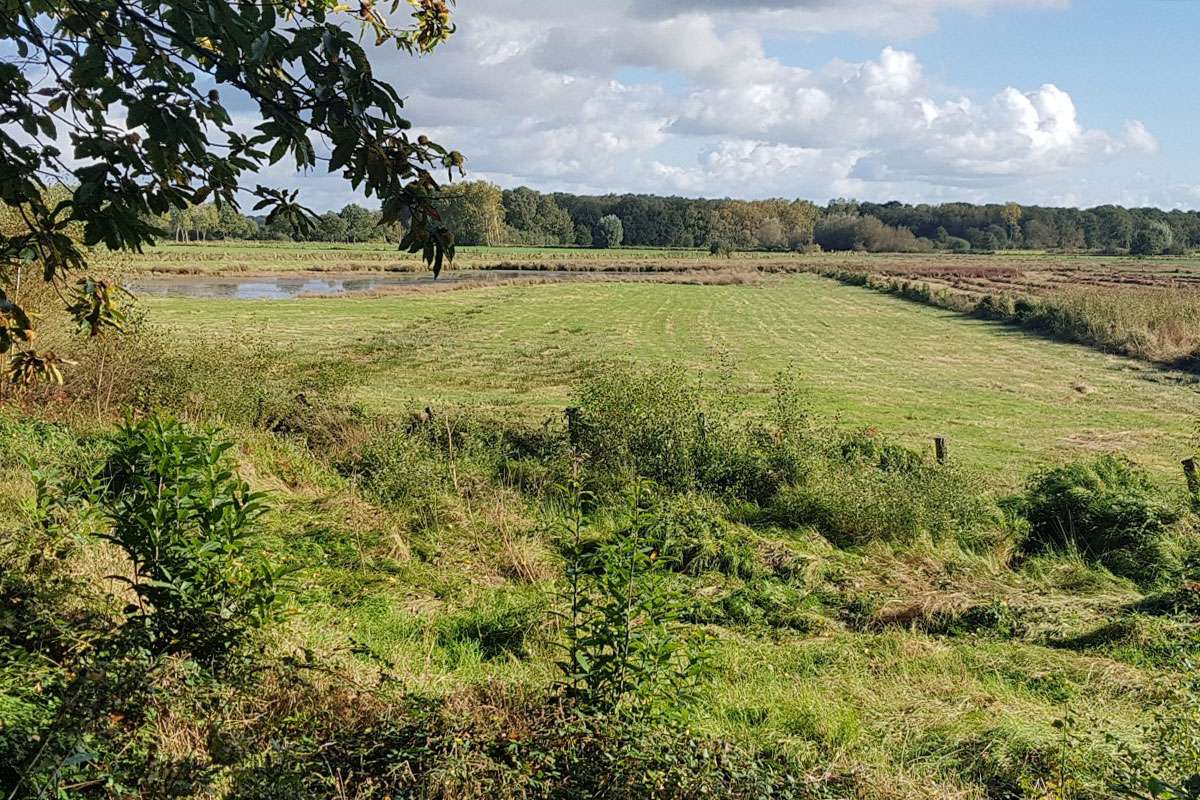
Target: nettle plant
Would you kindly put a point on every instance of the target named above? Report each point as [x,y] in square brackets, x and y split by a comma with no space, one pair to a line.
[113,113]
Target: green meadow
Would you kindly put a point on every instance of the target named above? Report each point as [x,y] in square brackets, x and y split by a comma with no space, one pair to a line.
[1006,399]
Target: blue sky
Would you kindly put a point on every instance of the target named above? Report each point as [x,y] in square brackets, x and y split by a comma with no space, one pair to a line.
[1039,101]
[1116,59]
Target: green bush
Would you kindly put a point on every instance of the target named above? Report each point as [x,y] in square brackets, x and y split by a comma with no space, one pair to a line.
[1112,514]
[662,424]
[172,501]
[240,383]
[853,504]
[514,746]
[1166,765]
[720,247]
[626,649]
[648,422]
[854,486]
[397,469]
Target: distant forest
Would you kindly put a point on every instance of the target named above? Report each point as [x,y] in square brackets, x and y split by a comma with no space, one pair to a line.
[480,213]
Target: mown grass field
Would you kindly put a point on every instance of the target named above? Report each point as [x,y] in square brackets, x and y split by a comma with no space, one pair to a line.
[1006,399]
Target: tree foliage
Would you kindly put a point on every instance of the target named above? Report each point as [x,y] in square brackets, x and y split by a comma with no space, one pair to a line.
[612,231]
[1152,239]
[123,103]
[474,210]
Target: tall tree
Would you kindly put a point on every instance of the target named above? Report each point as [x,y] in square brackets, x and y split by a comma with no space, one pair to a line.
[475,212]
[231,224]
[1152,239]
[1012,214]
[521,208]
[160,67]
[612,231]
[361,223]
[330,227]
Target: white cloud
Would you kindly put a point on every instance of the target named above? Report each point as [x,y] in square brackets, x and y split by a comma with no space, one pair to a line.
[674,96]
[1136,137]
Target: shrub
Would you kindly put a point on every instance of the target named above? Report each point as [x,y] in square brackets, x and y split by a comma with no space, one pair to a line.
[495,742]
[397,469]
[1111,513]
[856,504]
[626,649]
[858,487]
[170,499]
[661,424]
[720,247]
[1166,766]
[997,307]
[865,448]
[649,422]
[1152,239]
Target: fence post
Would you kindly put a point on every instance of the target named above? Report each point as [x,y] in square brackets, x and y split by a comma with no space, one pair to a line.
[572,415]
[1193,479]
[939,447]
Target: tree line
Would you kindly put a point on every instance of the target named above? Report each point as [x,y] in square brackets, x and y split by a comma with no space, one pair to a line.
[481,213]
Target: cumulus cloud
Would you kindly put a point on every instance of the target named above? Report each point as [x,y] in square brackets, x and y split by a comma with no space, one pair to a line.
[674,96]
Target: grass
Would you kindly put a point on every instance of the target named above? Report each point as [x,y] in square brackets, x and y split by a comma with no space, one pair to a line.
[1005,398]
[1143,308]
[242,257]
[429,560]
[873,706]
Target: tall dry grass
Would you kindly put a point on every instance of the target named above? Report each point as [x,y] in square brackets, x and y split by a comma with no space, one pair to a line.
[1161,325]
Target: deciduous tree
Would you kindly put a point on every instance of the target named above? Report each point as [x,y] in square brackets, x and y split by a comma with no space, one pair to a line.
[612,231]
[475,212]
[136,91]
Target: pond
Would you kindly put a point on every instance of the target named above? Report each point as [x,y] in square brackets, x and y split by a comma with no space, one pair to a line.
[286,286]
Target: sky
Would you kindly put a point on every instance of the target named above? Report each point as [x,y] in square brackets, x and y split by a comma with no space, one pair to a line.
[1051,102]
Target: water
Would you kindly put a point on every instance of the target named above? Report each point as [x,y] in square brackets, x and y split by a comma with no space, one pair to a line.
[284,287]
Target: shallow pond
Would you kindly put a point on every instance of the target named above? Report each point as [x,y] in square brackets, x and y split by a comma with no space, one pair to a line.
[285,286]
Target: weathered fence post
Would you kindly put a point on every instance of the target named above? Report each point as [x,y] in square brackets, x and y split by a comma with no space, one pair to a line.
[939,446]
[1193,479]
[572,415]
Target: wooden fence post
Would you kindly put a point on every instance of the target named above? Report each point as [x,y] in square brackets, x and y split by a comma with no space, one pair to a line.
[939,446]
[572,415]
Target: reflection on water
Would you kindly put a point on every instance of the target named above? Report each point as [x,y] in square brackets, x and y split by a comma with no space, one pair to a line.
[231,287]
